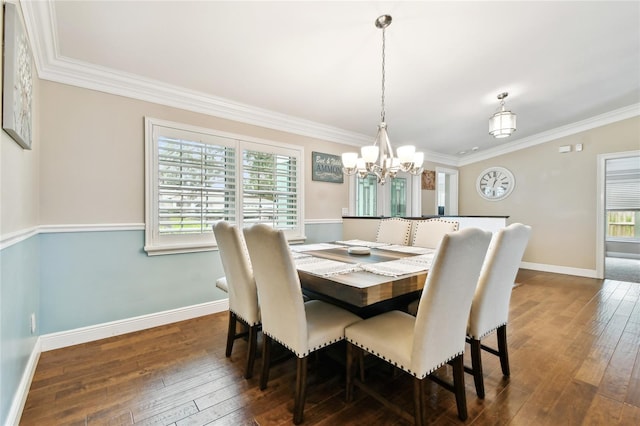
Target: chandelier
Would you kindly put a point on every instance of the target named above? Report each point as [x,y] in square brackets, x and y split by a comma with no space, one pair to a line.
[378,159]
[503,122]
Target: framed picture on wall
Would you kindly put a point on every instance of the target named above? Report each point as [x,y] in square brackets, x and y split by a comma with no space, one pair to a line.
[326,168]
[429,179]
[18,78]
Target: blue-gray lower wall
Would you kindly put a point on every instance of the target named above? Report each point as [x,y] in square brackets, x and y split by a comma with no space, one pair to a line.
[323,232]
[90,278]
[19,298]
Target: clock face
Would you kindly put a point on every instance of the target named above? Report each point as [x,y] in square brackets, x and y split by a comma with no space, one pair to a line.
[495,183]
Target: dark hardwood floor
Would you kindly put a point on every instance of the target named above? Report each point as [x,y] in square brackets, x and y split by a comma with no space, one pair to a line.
[574,351]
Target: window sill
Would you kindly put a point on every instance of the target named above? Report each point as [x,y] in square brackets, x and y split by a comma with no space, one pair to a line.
[162,250]
[622,240]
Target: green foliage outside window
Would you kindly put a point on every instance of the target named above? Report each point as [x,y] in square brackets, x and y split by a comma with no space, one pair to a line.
[623,224]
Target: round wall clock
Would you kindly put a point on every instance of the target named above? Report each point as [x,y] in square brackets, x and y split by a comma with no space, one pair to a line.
[495,183]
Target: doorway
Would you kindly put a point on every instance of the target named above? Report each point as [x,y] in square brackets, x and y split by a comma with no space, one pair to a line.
[446,192]
[618,233]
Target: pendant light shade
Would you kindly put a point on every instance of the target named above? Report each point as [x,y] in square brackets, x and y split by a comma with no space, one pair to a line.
[503,122]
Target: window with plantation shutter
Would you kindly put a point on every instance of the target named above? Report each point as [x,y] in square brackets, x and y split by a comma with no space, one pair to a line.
[196,177]
[270,189]
[622,201]
[196,185]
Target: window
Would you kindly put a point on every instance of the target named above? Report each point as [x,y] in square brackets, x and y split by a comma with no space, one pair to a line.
[366,201]
[622,190]
[623,224]
[400,196]
[196,176]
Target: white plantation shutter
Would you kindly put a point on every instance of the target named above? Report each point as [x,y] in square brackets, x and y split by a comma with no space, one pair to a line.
[195,177]
[196,185]
[623,184]
[270,189]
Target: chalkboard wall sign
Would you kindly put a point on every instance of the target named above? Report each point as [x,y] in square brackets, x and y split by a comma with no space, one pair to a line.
[326,168]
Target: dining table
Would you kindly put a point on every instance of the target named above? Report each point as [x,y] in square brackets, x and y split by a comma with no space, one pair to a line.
[364,277]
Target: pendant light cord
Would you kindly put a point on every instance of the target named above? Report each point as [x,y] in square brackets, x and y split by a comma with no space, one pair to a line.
[382,112]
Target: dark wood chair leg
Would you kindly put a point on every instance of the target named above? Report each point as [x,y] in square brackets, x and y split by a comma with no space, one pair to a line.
[231,333]
[476,365]
[350,371]
[502,349]
[251,351]
[266,360]
[418,401]
[458,385]
[301,388]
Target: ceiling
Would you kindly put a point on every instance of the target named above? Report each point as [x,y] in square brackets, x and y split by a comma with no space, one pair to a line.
[314,68]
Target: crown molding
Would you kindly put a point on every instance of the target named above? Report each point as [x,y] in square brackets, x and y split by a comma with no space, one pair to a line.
[557,133]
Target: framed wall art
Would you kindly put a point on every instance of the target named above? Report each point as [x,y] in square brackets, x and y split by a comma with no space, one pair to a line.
[18,78]
[429,179]
[326,168]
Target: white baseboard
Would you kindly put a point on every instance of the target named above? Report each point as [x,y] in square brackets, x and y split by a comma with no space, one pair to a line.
[101,331]
[589,273]
[20,397]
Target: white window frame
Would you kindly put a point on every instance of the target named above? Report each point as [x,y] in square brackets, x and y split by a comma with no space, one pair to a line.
[156,244]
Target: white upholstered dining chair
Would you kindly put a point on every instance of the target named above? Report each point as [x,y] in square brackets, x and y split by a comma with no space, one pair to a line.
[301,327]
[428,233]
[241,286]
[436,336]
[490,306]
[394,230]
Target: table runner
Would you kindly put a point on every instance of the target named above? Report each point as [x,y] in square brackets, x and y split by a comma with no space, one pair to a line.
[324,267]
[407,249]
[394,268]
[362,243]
[312,247]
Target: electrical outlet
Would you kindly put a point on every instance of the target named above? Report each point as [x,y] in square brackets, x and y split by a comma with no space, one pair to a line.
[33,323]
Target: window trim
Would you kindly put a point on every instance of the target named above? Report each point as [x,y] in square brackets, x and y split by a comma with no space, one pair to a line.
[157,245]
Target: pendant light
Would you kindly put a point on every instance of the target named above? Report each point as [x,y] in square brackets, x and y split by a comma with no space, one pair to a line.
[503,122]
[378,159]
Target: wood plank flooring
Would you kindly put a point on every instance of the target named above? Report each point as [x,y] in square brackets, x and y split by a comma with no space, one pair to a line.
[574,348]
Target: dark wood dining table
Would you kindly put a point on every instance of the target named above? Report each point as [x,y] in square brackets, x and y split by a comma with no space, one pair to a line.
[362,292]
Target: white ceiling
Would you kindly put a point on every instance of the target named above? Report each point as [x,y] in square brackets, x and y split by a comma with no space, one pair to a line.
[315,67]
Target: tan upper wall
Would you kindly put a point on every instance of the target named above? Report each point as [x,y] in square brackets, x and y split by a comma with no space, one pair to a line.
[92,168]
[555,193]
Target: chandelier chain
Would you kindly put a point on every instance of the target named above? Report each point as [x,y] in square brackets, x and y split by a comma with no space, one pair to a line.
[382,112]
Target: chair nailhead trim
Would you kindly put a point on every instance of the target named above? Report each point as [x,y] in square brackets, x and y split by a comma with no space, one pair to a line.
[413,373]
[302,355]
[245,321]
[486,333]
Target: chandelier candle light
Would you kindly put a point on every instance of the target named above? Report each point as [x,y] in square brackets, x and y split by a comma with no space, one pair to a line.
[378,159]
[503,122]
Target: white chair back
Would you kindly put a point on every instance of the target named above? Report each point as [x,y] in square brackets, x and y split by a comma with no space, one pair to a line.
[490,307]
[279,291]
[446,299]
[243,295]
[429,233]
[394,230]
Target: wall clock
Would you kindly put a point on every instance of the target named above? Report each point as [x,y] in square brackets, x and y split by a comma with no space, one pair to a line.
[495,183]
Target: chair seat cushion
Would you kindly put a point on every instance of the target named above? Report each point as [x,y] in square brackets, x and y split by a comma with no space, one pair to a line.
[388,336]
[326,323]
[221,283]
